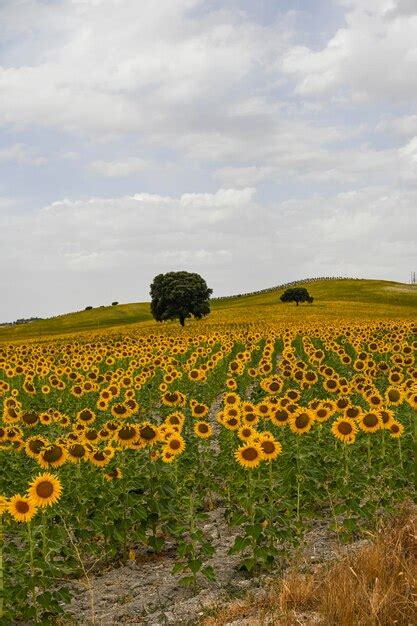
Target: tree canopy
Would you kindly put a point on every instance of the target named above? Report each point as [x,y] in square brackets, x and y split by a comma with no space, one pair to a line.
[178,295]
[297,295]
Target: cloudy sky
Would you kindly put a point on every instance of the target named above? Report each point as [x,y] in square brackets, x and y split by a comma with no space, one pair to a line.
[254,142]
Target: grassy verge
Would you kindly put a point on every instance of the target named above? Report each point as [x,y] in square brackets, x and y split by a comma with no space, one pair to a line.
[372,586]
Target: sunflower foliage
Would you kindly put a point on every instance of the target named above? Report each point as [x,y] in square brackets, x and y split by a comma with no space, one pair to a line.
[116,446]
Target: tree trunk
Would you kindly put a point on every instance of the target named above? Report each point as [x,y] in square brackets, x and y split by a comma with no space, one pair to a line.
[182,320]
[296,302]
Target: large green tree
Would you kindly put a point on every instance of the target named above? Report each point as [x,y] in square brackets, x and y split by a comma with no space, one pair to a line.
[297,295]
[178,295]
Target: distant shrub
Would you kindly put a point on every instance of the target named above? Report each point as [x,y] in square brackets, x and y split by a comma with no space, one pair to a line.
[88,308]
[114,303]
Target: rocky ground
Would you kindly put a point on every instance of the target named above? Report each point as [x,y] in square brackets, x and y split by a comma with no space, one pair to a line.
[146,592]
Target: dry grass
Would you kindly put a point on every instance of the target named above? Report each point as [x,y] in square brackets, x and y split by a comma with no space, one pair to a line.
[373,586]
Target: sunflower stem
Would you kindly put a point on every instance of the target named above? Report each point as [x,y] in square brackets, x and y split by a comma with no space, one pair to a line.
[1,568]
[400,453]
[32,569]
[43,535]
[297,459]
[368,443]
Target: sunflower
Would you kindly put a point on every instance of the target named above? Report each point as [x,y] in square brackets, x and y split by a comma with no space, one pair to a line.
[126,435]
[30,418]
[250,417]
[322,413]
[167,456]
[148,433]
[76,452]
[175,419]
[100,458]
[272,384]
[301,421]
[173,398]
[86,416]
[44,490]
[353,411]
[246,432]
[374,400]
[271,448]
[396,429]
[231,399]
[263,409]
[21,509]
[199,410]
[293,395]
[387,417]
[279,417]
[115,474]
[370,422]
[4,505]
[331,385]
[175,444]
[120,411]
[53,455]
[344,429]
[231,422]
[249,455]
[203,429]
[34,446]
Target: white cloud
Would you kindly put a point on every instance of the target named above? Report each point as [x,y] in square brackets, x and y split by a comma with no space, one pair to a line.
[19,153]
[374,56]
[100,249]
[120,168]
[139,66]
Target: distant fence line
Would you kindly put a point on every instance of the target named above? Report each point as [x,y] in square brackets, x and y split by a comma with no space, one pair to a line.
[284,286]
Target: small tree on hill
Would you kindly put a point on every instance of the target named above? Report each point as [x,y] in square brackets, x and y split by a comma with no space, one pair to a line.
[178,295]
[297,295]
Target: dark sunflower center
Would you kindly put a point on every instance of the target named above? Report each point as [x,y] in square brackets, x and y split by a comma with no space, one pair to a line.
[250,454]
[147,433]
[22,507]
[77,451]
[268,447]
[370,420]
[127,433]
[301,421]
[281,416]
[44,489]
[344,428]
[175,444]
[53,454]
[394,395]
[36,445]
[203,428]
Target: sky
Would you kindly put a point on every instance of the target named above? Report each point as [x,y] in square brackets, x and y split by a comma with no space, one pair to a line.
[255,143]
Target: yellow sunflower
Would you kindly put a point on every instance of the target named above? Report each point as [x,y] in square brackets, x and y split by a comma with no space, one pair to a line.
[249,455]
[271,448]
[396,429]
[175,444]
[45,490]
[301,421]
[53,455]
[344,429]
[203,429]
[21,508]
[370,422]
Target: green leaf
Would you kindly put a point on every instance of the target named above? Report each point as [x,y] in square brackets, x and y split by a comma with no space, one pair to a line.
[195,565]
[209,572]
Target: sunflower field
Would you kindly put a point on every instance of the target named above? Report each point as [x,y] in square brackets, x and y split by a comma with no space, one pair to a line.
[115,444]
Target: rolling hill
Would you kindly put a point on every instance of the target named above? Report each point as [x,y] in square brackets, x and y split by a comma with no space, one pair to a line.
[365,299]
